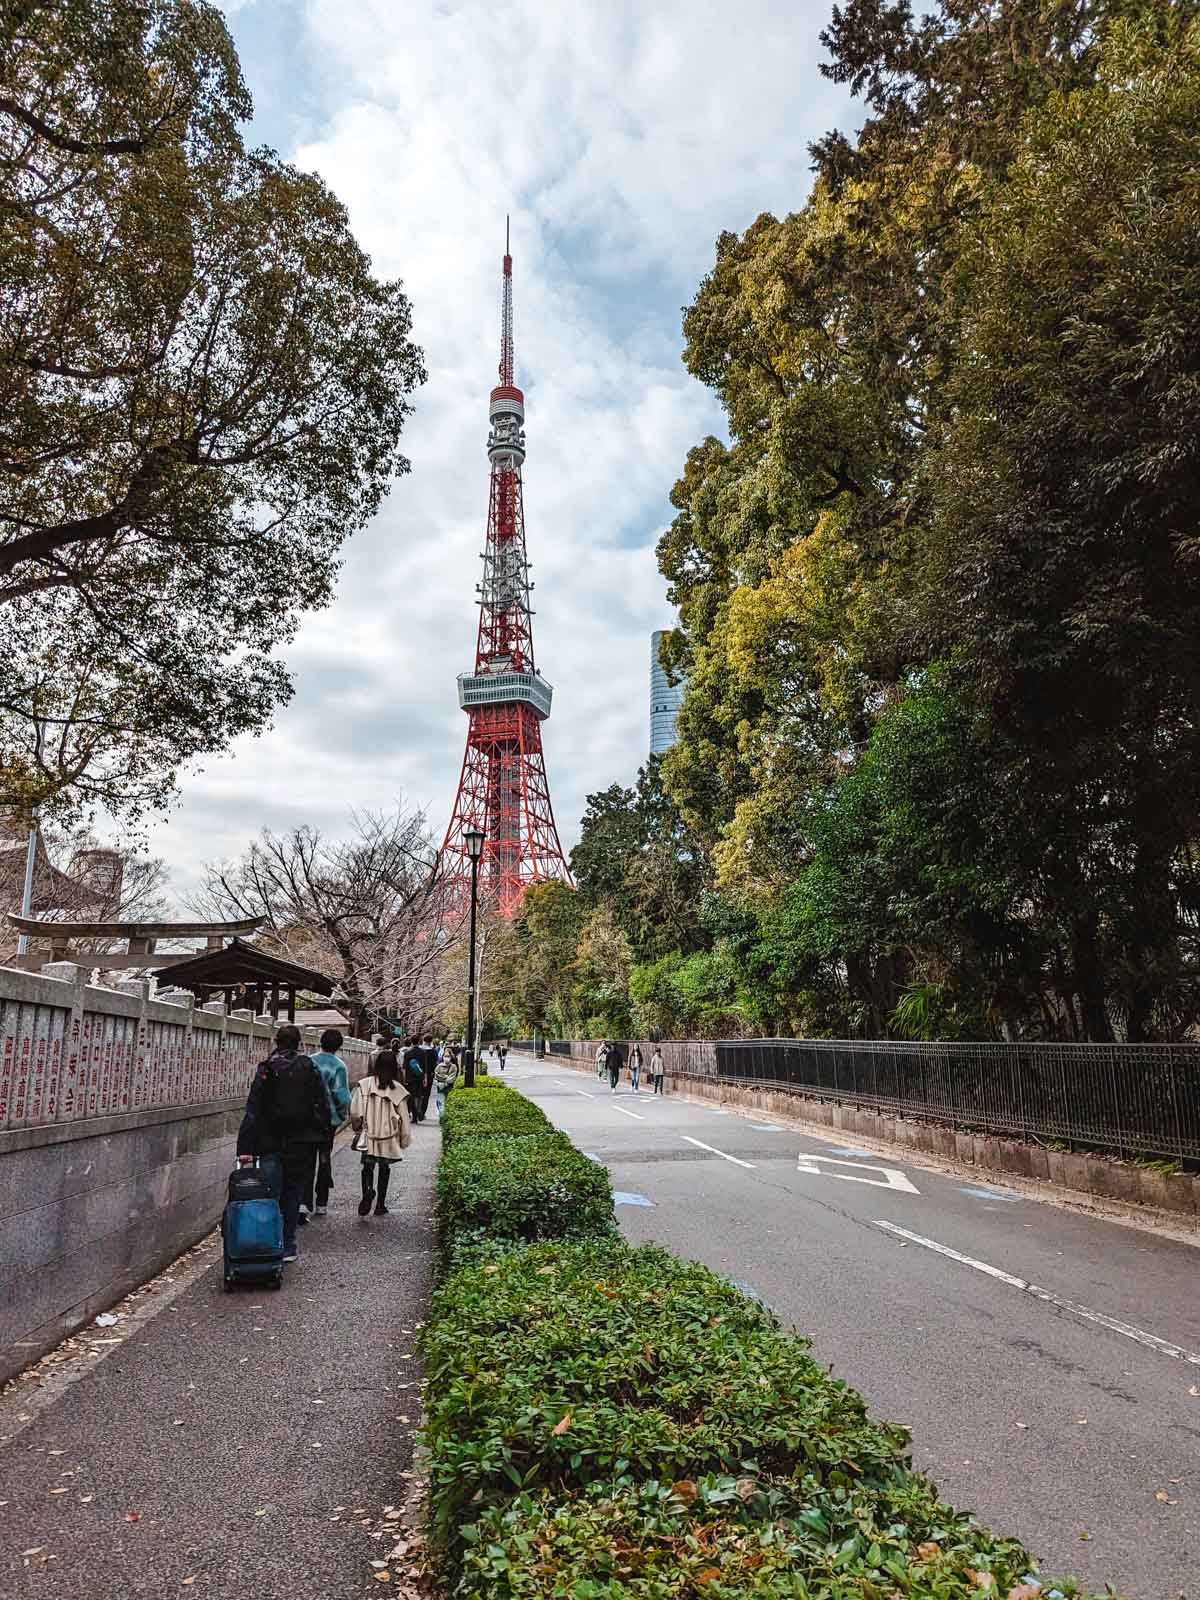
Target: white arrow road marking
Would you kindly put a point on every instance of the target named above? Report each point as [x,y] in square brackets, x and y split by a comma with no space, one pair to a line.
[1151,1340]
[700,1145]
[890,1179]
[625,1113]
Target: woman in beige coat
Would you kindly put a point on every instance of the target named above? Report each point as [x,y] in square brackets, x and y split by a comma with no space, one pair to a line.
[382,1129]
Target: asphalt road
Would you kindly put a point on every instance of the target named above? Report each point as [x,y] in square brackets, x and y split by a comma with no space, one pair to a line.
[233,1445]
[1051,1423]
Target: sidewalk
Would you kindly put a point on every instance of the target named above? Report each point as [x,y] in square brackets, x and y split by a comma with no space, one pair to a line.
[223,1448]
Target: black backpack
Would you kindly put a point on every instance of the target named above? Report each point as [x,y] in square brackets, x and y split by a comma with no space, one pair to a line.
[290,1095]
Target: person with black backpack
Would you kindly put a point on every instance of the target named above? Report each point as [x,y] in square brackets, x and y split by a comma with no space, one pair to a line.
[287,1115]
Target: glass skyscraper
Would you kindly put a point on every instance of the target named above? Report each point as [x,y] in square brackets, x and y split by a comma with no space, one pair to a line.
[665,700]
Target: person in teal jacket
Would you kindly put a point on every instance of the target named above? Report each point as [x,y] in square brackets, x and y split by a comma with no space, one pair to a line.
[337,1086]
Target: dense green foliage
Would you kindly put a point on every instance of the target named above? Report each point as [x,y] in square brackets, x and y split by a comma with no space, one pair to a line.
[204,390]
[609,1423]
[508,1176]
[938,770]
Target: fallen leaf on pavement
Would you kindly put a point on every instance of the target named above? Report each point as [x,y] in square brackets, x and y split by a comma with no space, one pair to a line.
[384,1577]
[133,1516]
[58,1491]
[36,1551]
[1085,1536]
[186,1581]
[1159,1494]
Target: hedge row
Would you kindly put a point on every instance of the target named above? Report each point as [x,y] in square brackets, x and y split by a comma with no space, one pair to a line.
[607,1422]
[506,1176]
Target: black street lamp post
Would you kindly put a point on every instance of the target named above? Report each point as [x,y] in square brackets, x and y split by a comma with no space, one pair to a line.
[473,838]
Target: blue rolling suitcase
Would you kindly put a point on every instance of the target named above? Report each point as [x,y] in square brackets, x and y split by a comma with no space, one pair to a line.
[252,1227]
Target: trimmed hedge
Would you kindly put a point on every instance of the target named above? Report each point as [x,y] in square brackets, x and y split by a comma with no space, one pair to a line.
[562,1364]
[606,1422]
[724,1536]
[505,1178]
[491,1109]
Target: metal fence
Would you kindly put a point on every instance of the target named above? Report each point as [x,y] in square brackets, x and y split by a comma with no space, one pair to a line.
[1127,1099]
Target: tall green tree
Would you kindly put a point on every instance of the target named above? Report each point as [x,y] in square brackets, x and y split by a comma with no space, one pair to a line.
[205,387]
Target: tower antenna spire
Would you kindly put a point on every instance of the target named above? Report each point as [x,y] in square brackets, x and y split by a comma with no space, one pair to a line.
[503,791]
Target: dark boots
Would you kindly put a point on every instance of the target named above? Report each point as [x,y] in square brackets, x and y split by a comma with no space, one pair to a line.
[385,1173]
[368,1187]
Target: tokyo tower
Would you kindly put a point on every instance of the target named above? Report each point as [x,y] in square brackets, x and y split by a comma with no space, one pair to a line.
[503,791]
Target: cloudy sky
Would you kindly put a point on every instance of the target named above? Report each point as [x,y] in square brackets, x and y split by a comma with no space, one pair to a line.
[623,136]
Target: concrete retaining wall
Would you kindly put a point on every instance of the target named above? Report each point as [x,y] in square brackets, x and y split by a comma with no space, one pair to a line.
[118,1119]
[1102,1177]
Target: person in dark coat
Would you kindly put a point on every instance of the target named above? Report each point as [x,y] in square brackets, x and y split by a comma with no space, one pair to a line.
[287,1115]
[429,1061]
[616,1060]
[414,1077]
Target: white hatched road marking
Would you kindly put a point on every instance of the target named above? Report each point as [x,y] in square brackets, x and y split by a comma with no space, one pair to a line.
[699,1143]
[892,1178]
[637,1114]
[1150,1340]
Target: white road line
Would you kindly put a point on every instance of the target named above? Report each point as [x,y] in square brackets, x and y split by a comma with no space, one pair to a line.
[1152,1341]
[585,1094]
[699,1143]
[625,1113]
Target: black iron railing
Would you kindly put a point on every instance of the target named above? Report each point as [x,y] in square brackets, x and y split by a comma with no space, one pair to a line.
[1127,1099]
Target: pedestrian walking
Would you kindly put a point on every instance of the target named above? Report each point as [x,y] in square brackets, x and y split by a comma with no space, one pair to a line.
[380,1118]
[502,1052]
[656,1070]
[635,1066]
[602,1058]
[615,1062]
[337,1086]
[413,1072]
[429,1060]
[287,1115]
[444,1076]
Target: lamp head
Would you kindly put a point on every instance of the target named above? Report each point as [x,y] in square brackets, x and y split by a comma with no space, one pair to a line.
[473,838]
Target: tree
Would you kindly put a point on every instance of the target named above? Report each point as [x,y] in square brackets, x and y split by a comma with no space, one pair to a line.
[638,858]
[1062,550]
[205,388]
[371,912]
[541,976]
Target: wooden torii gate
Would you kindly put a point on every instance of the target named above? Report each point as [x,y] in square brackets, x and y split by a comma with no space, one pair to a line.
[139,938]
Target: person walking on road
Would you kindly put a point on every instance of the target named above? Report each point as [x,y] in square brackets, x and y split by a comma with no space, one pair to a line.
[635,1066]
[337,1086]
[287,1115]
[502,1052]
[444,1076]
[602,1058]
[656,1070]
[379,1114]
[615,1062]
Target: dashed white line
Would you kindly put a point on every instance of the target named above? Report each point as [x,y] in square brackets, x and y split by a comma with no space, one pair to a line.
[585,1094]
[1150,1340]
[625,1113]
[699,1143]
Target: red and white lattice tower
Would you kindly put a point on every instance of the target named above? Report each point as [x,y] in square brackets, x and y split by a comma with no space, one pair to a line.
[503,789]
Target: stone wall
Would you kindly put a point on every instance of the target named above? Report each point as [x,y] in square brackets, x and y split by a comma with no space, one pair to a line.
[119,1112]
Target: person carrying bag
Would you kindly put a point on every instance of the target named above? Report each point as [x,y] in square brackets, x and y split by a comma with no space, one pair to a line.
[382,1128]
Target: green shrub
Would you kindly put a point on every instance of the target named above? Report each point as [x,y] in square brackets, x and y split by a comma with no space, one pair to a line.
[563,1364]
[489,1109]
[726,1536]
[537,1186]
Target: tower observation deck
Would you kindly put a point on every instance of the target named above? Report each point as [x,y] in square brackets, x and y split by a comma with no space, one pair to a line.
[503,790]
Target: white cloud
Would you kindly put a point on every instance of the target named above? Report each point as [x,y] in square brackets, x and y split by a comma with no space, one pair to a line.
[622,138]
